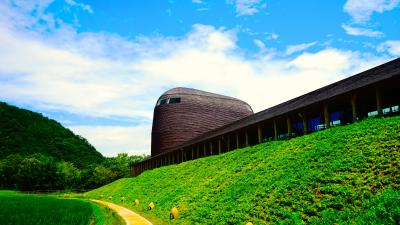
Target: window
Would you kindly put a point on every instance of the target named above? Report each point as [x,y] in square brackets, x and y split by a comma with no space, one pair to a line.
[174,100]
[171,100]
[164,101]
[373,113]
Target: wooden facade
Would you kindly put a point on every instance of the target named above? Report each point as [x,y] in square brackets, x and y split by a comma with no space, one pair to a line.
[375,92]
[182,114]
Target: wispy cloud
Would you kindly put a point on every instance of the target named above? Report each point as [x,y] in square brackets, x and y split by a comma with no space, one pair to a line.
[83,6]
[298,48]
[360,31]
[247,7]
[391,46]
[362,10]
[272,36]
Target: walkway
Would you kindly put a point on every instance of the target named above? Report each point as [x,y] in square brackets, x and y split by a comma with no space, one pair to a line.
[129,216]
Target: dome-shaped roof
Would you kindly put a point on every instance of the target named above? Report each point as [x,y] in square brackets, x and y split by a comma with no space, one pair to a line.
[184,113]
[191,91]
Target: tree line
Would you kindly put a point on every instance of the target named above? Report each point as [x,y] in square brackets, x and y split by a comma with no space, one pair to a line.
[42,172]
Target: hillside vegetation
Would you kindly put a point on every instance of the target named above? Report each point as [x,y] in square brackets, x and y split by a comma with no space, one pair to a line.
[37,153]
[25,132]
[343,175]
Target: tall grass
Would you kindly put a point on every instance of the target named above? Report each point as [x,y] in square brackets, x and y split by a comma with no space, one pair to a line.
[340,175]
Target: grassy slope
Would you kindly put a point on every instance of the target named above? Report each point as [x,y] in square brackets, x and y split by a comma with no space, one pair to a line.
[344,174]
[25,132]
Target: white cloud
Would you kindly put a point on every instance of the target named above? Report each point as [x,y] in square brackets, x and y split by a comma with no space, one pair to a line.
[104,75]
[362,10]
[83,6]
[247,7]
[259,44]
[112,140]
[359,31]
[298,48]
[272,36]
[391,46]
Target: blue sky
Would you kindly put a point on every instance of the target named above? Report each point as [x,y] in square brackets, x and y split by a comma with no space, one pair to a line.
[98,67]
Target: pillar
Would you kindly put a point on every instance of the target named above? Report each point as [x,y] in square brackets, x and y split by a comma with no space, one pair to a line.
[192,152]
[289,126]
[173,158]
[198,151]
[219,146]
[237,141]
[204,150]
[378,101]
[326,116]
[275,131]
[228,143]
[353,107]
[304,120]
[259,134]
[211,148]
[259,131]
[247,137]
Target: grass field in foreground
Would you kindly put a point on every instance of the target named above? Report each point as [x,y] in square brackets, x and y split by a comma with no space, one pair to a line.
[22,209]
[344,175]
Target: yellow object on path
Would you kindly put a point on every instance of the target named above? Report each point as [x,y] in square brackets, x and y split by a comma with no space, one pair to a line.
[130,217]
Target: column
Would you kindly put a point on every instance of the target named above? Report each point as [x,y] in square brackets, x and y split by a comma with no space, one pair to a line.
[289,126]
[228,144]
[211,148]
[378,101]
[219,146]
[305,125]
[247,137]
[259,131]
[326,116]
[353,107]
[275,131]
[237,141]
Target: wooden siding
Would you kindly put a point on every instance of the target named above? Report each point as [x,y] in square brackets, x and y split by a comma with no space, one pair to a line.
[197,113]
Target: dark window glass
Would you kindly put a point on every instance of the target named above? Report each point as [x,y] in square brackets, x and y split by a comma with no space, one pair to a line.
[174,100]
[163,101]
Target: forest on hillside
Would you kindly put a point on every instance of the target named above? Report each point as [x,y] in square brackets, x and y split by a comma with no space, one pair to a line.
[37,153]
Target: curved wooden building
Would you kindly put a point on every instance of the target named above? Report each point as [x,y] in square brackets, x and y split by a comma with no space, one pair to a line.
[182,114]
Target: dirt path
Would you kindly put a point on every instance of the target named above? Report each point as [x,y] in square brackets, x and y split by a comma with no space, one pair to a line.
[129,216]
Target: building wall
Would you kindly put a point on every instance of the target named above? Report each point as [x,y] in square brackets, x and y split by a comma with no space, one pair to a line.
[195,114]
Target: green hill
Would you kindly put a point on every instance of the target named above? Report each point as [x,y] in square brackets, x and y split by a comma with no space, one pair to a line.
[343,175]
[25,132]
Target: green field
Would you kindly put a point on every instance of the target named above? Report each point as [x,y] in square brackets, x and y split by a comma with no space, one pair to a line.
[343,175]
[22,209]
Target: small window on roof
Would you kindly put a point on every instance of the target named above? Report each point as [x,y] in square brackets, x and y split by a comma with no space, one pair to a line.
[164,101]
[174,100]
